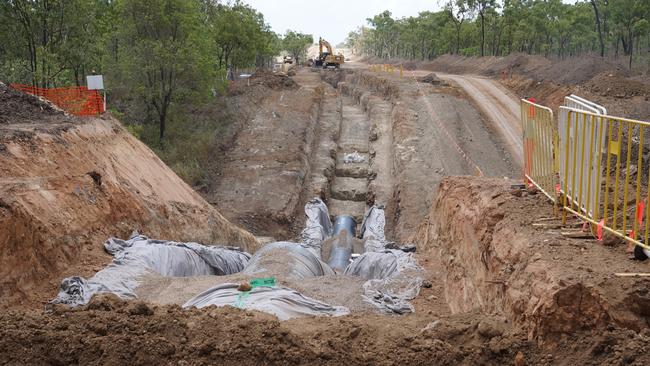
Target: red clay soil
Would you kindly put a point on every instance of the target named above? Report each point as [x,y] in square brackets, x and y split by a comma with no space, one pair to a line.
[494,260]
[67,184]
[109,331]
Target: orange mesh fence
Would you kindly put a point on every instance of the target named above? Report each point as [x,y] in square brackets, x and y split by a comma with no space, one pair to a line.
[77,100]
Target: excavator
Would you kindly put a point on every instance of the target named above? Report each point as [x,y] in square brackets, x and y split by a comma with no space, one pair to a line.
[327,58]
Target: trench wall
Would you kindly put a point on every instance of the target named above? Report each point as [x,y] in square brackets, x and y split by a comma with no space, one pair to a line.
[495,261]
[64,191]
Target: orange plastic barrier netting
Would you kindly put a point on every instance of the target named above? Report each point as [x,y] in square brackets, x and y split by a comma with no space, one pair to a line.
[77,100]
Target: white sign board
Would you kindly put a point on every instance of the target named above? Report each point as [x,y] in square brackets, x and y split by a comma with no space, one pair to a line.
[95,82]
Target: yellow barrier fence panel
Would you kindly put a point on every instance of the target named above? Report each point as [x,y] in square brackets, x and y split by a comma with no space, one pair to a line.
[539,147]
[606,175]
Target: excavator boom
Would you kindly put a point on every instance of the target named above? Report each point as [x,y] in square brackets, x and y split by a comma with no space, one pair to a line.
[328,58]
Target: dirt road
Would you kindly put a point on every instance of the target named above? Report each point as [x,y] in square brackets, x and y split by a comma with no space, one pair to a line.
[498,105]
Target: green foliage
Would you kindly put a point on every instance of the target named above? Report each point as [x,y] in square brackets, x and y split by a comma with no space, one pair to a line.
[239,34]
[501,27]
[190,140]
[49,43]
[164,55]
[161,61]
[296,44]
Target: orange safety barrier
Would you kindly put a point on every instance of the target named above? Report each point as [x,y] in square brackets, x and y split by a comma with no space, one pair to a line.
[77,100]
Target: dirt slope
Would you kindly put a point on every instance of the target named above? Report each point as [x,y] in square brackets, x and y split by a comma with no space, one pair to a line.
[495,260]
[434,132]
[259,184]
[67,184]
[606,81]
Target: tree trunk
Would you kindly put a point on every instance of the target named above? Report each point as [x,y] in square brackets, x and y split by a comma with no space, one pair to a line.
[631,50]
[482,34]
[600,32]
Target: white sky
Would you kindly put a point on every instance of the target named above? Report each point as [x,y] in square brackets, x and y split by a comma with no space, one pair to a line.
[333,19]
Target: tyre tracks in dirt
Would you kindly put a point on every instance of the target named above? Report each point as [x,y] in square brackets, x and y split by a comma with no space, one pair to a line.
[497,105]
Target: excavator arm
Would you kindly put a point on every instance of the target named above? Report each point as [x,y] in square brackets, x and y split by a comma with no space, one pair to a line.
[328,58]
[323,43]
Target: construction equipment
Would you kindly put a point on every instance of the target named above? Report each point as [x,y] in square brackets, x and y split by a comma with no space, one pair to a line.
[288,60]
[327,58]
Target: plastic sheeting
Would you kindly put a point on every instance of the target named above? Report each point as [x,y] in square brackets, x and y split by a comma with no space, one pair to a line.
[372,229]
[282,302]
[394,277]
[353,157]
[287,259]
[139,255]
[318,226]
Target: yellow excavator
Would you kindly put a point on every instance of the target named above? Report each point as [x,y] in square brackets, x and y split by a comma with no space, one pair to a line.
[327,58]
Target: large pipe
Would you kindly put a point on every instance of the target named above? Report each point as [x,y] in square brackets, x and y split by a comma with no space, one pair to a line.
[344,229]
[345,222]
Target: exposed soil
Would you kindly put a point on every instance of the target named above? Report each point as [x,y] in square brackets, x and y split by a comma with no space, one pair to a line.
[607,82]
[502,284]
[260,181]
[19,107]
[427,132]
[499,319]
[495,259]
[430,78]
[270,80]
[67,187]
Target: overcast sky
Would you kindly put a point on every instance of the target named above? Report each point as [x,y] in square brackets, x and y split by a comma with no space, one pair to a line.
[333,19]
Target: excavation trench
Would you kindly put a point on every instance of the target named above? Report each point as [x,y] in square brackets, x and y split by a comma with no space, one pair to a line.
[348,163]
[367,142]
[385,279]
[482,251]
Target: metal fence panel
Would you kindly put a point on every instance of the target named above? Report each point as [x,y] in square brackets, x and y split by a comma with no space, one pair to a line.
[540,139]
[584,136]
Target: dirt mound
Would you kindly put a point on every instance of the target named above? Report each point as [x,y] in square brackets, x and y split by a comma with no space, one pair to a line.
[431,78]
[272,80]
[112,332]
[19,107]
[109,331]
[605,81]
[577,70]
[617,85]
[573,70]
[63,191]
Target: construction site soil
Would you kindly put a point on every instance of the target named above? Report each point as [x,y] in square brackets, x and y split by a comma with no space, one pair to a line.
[67,184]
[606,81]
[502,284]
